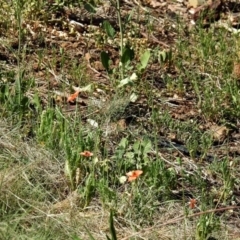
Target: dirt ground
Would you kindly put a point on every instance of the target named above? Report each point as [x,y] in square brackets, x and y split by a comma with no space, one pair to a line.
[57,41]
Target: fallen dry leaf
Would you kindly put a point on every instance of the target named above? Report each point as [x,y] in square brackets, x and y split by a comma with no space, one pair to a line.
[87,56]
[196,3]
[154,3]
[236,70]
[209,10]
[65,205]
[121,124]
[218,133]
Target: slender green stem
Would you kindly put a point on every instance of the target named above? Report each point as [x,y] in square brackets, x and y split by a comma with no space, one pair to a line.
[120,26]
[18,13]
[121,35]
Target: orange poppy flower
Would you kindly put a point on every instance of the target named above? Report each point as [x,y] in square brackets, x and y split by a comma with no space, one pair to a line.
[86,153]
[72,97]
[133,175]
[192,203]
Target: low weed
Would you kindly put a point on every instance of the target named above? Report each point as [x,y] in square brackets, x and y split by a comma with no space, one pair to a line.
[162,172]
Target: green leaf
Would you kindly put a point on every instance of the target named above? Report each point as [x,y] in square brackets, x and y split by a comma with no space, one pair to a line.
[105,60]
[147,147]
[137,147]
[37,102]
[144,59]
[109,29]
[129,155]
[89,6]
[128,80]
[162,56]
[128,55]
[89,189]
[123,143]
[89,234]
[25,102]
[165,56]
[112,229]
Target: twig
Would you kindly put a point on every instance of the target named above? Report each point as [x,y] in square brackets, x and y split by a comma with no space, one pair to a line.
[154,39]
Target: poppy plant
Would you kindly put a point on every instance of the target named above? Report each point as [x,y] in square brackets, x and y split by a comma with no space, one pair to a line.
[86,154]
[72,97]
[192,203]
[133,175]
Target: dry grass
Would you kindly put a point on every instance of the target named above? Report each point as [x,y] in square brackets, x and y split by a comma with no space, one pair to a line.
[190,125]
[33,201]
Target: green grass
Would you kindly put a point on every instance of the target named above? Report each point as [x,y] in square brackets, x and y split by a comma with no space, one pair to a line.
[50,191]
